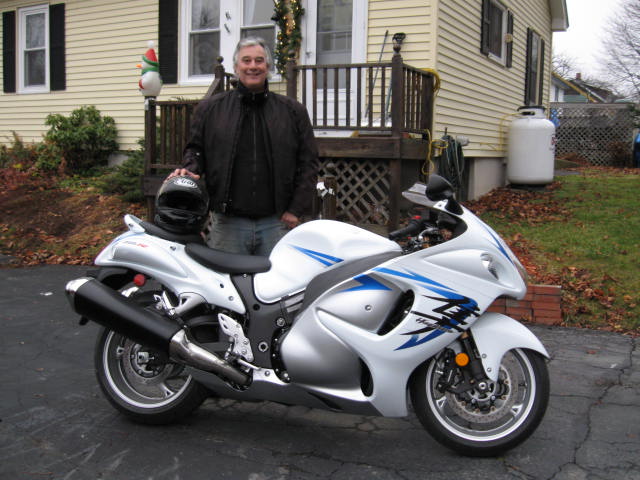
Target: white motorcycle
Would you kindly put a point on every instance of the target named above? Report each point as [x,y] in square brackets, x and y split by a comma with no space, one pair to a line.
[337,318]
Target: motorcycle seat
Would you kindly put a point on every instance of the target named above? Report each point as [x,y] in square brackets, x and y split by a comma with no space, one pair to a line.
[156,231]
[227,262]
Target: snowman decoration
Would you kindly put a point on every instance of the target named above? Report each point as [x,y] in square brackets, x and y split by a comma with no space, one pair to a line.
[150,82]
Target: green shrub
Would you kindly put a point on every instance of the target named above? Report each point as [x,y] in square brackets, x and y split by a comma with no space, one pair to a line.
[48,158]
[36,158]
[85,138]
[19,155]
[125,179]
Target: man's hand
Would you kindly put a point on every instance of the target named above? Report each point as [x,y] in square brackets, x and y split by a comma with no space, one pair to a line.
[290,220]
[183,172]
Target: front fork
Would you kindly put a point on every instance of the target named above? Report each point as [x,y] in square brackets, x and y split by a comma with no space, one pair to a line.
[466,363]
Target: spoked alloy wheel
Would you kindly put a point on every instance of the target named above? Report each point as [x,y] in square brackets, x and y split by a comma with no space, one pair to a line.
[484,423]
[142,383]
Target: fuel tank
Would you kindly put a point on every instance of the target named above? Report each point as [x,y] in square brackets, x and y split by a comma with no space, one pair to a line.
[311,249]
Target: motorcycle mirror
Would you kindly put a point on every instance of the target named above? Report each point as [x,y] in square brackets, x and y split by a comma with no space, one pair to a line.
[439,188]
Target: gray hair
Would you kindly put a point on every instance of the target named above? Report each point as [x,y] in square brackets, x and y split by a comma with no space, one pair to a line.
[251,42]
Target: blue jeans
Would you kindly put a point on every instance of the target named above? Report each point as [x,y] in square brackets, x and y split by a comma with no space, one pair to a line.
[245,235]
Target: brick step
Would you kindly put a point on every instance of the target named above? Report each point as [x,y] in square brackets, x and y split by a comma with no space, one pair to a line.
[541,305]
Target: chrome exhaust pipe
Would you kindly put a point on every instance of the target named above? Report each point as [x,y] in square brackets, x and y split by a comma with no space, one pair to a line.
[183,350]
[101,304]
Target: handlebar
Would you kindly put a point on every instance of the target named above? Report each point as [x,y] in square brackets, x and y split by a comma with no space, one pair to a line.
[414,227]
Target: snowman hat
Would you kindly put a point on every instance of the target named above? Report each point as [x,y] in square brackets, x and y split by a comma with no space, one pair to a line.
[149,59]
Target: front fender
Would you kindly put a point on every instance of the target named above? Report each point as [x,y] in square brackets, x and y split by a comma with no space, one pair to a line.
[495,334]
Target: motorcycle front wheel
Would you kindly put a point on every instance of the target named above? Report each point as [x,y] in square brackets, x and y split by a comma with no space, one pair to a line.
[142,383]
[487,423]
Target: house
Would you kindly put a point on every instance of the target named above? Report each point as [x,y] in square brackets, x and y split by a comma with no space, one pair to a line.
[491,56]
[578,90]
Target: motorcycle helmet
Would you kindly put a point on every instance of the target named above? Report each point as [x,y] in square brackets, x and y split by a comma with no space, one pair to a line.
[182,205]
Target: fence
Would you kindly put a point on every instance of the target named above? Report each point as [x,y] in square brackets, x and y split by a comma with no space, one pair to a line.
[602,134]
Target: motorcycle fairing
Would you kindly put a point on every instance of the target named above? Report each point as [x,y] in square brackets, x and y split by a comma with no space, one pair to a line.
[329,338]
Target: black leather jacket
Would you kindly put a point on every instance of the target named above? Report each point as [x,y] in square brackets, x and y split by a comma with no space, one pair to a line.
[293,154]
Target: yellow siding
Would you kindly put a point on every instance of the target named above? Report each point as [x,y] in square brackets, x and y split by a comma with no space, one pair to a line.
[104,42]
[106,39]
[414,18]
[478,95]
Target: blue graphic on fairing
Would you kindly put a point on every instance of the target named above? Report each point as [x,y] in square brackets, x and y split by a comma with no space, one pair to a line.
[497,242]
[430,284]
[415,339]
[323,258]
[366,283]
[454,311]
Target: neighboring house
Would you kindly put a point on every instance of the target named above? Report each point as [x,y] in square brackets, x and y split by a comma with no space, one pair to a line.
[492,56]
[579,91]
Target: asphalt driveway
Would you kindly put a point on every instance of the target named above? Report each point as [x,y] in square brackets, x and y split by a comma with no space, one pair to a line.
[55,424]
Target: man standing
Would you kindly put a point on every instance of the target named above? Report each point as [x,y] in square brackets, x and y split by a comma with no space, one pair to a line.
[258,155]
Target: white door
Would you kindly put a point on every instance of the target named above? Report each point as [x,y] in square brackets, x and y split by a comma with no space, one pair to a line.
[335,33]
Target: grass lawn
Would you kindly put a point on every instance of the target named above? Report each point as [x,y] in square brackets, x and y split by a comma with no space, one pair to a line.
[584,234]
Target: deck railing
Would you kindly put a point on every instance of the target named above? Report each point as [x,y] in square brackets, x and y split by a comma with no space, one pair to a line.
[386,97]
[383,97]
[383,101]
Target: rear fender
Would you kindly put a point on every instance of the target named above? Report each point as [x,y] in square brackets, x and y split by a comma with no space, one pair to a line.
[495,334]
[114,277]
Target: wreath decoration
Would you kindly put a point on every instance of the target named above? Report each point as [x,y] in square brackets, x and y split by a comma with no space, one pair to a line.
[286,15]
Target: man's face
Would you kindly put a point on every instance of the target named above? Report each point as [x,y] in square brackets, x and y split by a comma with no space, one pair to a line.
[251,67]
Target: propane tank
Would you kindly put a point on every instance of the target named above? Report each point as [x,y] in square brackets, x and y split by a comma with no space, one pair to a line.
[531,151]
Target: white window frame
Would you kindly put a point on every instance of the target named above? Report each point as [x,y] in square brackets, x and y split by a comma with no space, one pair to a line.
[231,25]
[23,13]
[502,58]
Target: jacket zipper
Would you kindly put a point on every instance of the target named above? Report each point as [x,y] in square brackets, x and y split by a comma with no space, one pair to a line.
[255,156]
[227,201]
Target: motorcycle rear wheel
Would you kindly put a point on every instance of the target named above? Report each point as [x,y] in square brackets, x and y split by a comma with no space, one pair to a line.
[142,385]
[490,423]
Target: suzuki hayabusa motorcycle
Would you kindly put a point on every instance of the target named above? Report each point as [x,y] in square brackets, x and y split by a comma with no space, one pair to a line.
[337,318]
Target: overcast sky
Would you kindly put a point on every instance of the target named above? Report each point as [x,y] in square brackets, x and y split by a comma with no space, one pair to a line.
[582,41]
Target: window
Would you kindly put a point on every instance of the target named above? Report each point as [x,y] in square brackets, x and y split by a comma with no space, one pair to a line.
[497,32]
[33,49]
[256,16]
[204,36]
[333,37]
[534,77]
[210,28]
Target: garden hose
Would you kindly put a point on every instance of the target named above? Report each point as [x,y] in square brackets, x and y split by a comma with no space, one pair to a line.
[428,166]
[451,164]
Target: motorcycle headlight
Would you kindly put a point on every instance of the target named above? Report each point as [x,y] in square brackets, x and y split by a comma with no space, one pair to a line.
[489,263]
